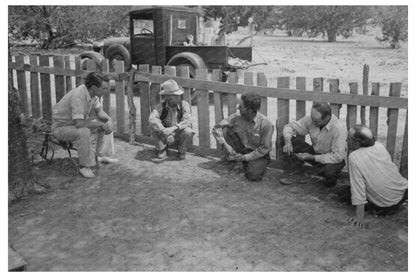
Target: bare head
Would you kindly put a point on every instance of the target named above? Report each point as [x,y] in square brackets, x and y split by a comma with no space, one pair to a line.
[360,136]
[97,84]
[320,114]
[250,104]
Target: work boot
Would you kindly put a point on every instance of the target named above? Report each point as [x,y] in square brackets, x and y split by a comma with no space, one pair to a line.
[162,154]
[182,156]
[86,172]
[107,160]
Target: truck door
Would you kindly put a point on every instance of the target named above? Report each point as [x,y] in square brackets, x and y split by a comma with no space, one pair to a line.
[142,36]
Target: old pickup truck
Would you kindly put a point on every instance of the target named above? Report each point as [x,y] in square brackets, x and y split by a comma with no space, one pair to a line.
[157,37]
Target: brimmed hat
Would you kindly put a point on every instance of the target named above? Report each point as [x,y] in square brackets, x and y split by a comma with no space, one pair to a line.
[170,87]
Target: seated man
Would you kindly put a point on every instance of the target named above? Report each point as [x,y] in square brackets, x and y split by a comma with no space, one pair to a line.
[375,179]
[328,135]
[170,121]
[73,120]
[189,40]
[247,137]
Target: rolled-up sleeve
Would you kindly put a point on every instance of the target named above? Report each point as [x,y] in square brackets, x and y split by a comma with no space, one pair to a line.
[338,148]
[357,181]
[217,129]
[186,120]
[266,144]
[77,107]
[155,123]
[299,127]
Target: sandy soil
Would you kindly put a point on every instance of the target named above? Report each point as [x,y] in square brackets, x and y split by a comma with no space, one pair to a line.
[196,215]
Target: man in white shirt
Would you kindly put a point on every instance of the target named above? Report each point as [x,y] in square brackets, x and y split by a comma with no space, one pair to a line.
[376,183]
[328,135]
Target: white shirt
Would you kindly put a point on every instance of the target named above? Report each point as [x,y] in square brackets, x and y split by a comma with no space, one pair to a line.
[375,177]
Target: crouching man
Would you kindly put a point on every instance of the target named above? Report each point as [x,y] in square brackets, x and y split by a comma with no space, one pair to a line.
[79,117]
[170,121]
[328,135]
[376,183]
[247,137]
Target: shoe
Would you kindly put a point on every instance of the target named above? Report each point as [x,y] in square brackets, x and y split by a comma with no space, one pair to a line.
[182,156]
[86,172]
[162,154]
[107,160]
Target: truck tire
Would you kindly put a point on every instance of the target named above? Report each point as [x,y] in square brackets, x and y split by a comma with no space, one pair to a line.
[88,55]
[118,52]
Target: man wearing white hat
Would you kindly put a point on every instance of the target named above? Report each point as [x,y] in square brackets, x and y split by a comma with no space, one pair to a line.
[170,121]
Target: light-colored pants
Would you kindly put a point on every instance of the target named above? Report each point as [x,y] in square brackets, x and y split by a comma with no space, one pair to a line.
[182,137]
[87,142]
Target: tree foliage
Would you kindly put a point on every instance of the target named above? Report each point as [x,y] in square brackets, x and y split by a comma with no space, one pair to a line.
[394,24]
[327,21]
[60,26]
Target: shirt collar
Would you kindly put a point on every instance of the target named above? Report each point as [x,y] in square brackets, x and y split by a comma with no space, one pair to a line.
[331,122]
[257,118]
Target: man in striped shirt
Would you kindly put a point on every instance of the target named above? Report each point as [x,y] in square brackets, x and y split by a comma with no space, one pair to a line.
[376,183]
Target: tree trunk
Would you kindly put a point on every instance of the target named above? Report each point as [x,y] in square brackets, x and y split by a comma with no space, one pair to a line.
[20,167]
[332,35]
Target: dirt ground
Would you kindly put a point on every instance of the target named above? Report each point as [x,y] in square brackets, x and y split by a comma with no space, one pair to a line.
[196,215]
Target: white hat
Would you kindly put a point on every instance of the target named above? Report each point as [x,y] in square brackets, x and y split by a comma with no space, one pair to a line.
[170,87]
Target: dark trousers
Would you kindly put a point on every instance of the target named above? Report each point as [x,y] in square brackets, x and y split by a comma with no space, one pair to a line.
[329,171]
[344,194]
[253,170]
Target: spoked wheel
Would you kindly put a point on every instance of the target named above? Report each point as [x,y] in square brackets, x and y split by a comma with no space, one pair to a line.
[47,153]
[69,166]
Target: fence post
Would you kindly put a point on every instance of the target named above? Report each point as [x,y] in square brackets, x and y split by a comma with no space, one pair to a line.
[282,115]
[352,109]
[183,71]
[68,79]
[403,159]
[34,88]
[232,97]
[120,97]
[203,111]
[144,101]
[132,108]
[366,70]
[375,90]
[300,104]
[155,88]
[78,80]
[334,88]
[392,118]
[45,86]
[262,82]
[21,83]
[107,96]
[170,70]
[218,105]
[58,62]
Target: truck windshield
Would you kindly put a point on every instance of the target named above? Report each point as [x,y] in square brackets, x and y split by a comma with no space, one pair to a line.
[143,27]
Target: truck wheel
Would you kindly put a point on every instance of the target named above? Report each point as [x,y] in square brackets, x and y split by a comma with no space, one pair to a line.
[120,53]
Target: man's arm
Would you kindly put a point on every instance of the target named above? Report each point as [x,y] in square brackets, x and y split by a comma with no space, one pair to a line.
[186,120]
[338,148]
[265,144]
[292,129]
[358,193]
[219,134]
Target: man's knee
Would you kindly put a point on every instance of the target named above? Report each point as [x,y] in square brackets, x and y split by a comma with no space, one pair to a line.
[84,133]
[188,133]
[256,169]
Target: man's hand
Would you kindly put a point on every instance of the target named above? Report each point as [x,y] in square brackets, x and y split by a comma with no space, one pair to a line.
[288,148]
[169,131]
[306,157]
[358,223]
[229,149]
[239,157]
[170,139]
[108,127]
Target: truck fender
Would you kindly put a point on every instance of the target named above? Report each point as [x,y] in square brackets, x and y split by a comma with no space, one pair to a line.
[91,55]
[120,51]
[188,57]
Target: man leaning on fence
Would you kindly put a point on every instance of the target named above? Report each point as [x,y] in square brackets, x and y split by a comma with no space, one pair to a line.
[79,117]
[170,122]
[328,150]
[376,183]
[247,137]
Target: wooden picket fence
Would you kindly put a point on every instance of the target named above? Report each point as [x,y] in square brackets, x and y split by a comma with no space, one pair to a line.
[34,72]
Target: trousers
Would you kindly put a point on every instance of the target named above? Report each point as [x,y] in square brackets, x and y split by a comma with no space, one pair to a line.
[253,170]
[88,143]
[329,171]
[181,139]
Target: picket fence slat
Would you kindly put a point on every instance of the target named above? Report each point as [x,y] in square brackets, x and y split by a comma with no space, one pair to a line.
[300,104]
[283,111]
[203,111]
[232,98]
[106,97]
[392,119]
[404,157]
[21,83]
[45,88]
[183,71]
[352,109]
[334,88]
[170,70]
[120,97]
[58,62]
[218,105]
[144,102]
[375,90]
[132,110]
[366,70]
[155,88]
[68,79]
[78,79]
[262,82]
[34,88]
